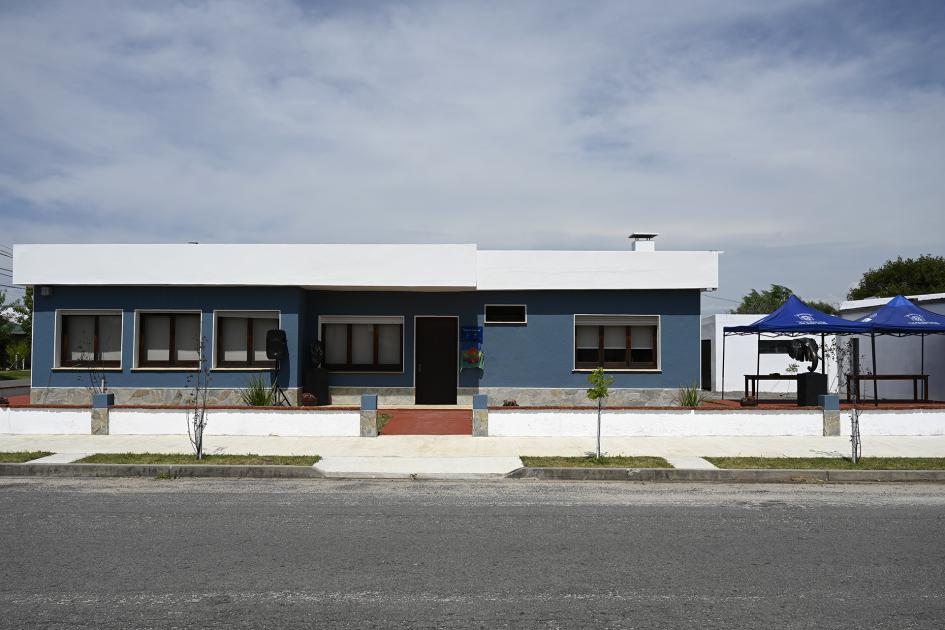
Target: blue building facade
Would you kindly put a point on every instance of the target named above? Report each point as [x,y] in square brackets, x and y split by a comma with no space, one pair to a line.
[415,329]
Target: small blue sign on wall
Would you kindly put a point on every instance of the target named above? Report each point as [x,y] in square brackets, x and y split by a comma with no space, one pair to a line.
[470,339]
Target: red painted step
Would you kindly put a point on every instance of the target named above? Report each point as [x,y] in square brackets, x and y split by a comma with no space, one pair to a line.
[428,422]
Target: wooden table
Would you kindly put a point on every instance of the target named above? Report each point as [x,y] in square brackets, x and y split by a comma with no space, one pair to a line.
[915,378]
[754,378]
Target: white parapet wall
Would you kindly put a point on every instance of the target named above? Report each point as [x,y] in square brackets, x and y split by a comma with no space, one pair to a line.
[640,423]
[45,421]
[897,422]
[321,423]
[307,423]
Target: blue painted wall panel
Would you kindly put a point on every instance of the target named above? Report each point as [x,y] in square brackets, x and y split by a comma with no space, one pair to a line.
[288,300]
[539,354]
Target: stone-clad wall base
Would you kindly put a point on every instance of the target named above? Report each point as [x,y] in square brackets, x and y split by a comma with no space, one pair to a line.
[525,397]
[140,396]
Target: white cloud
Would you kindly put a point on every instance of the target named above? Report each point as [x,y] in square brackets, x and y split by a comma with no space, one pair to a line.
[533,125]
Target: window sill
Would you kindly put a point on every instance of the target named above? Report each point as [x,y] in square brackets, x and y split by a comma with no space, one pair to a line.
[364,372]
[608,370]
[165,369]
[86,369]
[243,369]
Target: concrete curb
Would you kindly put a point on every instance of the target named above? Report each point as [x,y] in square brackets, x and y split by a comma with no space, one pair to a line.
[153,470]
[559,474]
[754,475]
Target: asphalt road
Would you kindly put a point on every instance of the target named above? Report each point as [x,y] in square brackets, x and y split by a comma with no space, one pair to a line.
[283,554]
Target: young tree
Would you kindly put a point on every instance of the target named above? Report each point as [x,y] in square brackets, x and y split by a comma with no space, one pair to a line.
[910,276]
[770,300]
[599,390]
[197,414]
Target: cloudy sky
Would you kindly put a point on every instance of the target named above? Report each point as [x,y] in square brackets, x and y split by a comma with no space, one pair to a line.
[806,139]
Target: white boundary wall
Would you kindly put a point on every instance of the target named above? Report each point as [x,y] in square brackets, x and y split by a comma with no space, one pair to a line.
[517,423]
[45,421]
[326,423]
[897,422]
[689,423]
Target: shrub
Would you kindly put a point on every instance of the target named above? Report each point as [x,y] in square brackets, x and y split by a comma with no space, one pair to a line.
[689,396]
[257,393]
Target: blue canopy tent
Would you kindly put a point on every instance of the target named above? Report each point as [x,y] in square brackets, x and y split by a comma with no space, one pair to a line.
[901,317]
[794,319]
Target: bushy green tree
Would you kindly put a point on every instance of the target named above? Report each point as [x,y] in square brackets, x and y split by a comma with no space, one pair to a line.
[24,311]
[772,299]
[6,321]
[909,276]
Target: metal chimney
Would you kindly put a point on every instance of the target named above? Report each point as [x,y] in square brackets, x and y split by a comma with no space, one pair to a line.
[643,241]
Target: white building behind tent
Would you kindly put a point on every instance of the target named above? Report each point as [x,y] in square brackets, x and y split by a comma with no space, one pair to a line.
[741,356]
[900,355]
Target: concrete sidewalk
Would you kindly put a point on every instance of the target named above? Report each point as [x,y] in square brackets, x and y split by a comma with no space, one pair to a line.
[456,446]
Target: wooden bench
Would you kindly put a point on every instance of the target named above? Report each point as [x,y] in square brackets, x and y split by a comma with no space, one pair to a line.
[915,378]
[753,379]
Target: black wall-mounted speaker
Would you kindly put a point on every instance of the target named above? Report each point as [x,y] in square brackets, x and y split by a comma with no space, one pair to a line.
[277,349]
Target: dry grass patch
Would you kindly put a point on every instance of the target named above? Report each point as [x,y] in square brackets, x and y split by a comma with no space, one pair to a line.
[831,463]
[190,458]
[22,456]
[595,462]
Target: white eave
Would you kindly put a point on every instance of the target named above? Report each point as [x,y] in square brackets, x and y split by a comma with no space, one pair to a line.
[873,303]
[527,269]
[361,267]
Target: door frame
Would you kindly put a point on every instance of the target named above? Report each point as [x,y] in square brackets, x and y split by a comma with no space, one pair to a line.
[414,380]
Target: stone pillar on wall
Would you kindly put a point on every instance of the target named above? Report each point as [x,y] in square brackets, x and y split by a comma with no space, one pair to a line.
[480,423]
[101,403]
[831,406]
[369,415]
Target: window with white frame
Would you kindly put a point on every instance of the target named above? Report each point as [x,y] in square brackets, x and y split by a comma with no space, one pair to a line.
[363,343]
[241,338]
[168,340]
[616,342]
[90,339]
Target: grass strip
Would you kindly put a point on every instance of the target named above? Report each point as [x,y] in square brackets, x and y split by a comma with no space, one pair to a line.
[22,456]
[14,375]
[382,420]
[832,463]
[595,462]
[190,458]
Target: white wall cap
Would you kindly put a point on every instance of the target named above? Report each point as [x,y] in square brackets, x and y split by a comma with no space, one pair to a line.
[367,267]
[872,303]
[541,269]
[430,267]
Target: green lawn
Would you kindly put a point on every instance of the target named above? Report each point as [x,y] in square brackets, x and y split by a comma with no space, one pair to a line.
[14,375]
[832,463]
[595,462]
[22,456]
[176,458]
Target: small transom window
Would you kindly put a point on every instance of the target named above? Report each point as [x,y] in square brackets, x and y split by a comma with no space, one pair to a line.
[505,314]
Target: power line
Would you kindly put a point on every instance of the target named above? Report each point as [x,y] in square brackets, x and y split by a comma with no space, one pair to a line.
[715,297]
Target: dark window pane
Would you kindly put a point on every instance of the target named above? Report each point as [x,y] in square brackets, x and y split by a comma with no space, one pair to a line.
[615,356]
[643,355]
[505,313]
[584,355]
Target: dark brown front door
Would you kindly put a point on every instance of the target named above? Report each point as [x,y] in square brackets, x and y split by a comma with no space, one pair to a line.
[436,360]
